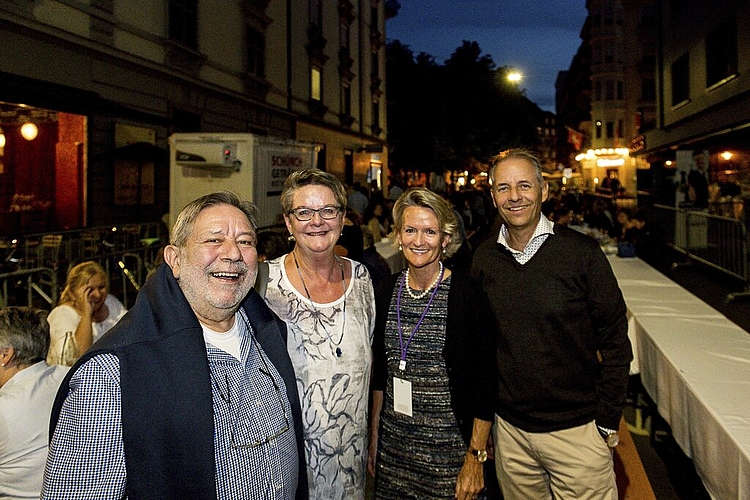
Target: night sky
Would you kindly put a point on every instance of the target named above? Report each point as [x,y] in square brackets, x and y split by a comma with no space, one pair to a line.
[537,38]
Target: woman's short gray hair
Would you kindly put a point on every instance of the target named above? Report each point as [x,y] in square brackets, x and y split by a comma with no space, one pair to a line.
[186,220]
[308,177]
[443,210]
[26,330]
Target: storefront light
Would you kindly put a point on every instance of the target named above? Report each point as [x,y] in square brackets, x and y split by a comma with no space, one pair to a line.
[2,138]
[29,131]
[605,162]
[727,155]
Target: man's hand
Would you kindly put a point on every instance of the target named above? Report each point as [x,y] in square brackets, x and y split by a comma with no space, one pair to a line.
[470,479]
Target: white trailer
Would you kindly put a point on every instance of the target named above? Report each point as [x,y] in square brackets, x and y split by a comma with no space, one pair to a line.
[252,166]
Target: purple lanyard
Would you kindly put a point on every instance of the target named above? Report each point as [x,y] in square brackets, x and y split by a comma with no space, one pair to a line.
[404,349]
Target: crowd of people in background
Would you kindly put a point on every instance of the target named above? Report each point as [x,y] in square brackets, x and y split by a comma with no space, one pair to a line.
[601,218]
[210,375]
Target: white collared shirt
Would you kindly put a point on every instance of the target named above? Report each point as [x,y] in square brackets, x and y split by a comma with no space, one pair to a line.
[543,229]
[25,407]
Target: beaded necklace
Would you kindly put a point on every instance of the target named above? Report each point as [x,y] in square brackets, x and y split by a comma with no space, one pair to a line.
[426,290]
[343,285]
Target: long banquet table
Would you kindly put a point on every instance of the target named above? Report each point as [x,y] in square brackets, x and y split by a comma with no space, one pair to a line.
[695,364]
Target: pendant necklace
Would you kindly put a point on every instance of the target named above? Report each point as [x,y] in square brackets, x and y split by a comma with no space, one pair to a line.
[436,285]
[317,315]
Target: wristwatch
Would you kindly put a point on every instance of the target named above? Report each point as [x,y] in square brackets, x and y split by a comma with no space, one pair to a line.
[610,436]
[480,455]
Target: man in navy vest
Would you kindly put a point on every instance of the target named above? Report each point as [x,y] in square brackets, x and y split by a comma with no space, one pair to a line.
[192,394]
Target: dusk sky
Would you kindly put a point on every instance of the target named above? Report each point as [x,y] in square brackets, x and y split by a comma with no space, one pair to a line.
[537,38]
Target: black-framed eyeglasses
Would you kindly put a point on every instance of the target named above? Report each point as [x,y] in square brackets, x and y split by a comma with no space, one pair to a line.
[306,214]
[258,442]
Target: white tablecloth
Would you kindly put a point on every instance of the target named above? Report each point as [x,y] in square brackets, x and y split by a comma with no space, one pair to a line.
[695,364]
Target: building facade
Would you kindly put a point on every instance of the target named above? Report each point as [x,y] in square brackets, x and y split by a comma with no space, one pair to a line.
[621,35]
[105,83]
[702,95]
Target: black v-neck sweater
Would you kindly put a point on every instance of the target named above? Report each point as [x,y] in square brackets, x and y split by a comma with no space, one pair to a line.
[557,315]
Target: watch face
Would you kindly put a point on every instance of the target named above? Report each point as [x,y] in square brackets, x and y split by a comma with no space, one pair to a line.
[482,455]
[613,440]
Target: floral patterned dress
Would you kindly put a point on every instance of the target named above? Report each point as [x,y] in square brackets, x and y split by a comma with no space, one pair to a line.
[333,388]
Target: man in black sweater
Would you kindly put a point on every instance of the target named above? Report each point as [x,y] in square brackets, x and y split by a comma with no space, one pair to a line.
[563,351]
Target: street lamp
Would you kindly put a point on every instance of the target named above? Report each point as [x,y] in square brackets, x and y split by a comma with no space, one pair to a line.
[514,77]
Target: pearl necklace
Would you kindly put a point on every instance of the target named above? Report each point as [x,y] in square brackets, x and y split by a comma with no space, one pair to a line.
[426,290]
[343,285]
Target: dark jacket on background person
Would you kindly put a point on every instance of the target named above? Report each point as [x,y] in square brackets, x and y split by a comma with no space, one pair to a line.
[471,372]
[698,181]
[351,239]
[166,394]
[555,314]
[376,265]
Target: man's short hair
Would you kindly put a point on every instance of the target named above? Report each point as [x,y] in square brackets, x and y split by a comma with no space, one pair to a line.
[186,220]
[516,154]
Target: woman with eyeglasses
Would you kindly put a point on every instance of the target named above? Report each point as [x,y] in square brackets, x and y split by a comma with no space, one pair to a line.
[328,304]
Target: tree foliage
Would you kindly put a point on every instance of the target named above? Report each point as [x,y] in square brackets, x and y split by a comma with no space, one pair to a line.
[445,117]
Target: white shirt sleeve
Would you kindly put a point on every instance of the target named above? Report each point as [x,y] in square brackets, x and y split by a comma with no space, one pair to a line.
[62,319]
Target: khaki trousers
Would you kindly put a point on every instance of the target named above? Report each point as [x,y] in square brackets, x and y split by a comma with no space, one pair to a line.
[568,464]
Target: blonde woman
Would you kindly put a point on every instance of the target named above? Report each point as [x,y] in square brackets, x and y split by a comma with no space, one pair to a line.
[86,310]
[434,372]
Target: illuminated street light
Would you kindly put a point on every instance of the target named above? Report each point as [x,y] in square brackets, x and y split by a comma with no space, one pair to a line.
[514,77]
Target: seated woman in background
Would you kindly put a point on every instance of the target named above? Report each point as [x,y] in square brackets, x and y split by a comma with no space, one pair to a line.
[376,220]
[86,311]
[27,389]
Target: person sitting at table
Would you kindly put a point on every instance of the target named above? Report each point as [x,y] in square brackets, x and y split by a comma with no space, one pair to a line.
[562,216]
[28,386]
[86,311]
[600,217]
[376,219]
[350,243]
[271,244]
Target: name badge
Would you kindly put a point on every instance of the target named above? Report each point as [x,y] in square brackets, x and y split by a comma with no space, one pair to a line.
[402,396]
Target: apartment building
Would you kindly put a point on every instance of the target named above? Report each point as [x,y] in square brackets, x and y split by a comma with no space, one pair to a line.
[95,77]
[621,37]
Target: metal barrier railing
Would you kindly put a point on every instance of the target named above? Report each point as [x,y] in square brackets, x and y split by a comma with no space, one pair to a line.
[39,280]
[126,252]
[718,242]
[37,264]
